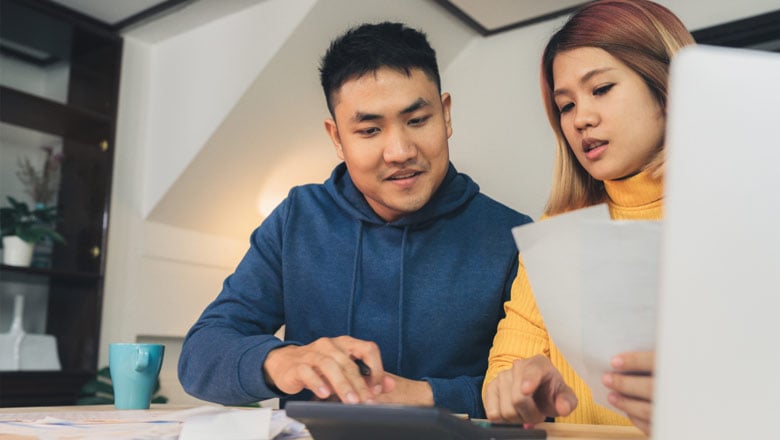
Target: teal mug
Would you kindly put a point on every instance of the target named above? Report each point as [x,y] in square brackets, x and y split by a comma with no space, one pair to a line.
[134,370]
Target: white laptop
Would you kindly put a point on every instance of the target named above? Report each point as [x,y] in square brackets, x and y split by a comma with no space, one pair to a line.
[718,359]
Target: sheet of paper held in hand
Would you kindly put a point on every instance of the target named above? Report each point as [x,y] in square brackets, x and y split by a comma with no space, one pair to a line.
[595,282]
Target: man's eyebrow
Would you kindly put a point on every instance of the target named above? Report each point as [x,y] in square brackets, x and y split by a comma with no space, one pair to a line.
[416,105]
[362,117]
[585,78]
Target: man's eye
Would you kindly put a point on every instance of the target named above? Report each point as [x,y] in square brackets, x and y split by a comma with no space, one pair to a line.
[602,90]
[369,131]
[418,121]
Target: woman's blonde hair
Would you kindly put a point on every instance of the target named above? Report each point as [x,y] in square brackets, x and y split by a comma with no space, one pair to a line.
[641,34]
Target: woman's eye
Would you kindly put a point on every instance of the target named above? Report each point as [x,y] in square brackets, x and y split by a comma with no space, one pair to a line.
[602,90]
[566,108]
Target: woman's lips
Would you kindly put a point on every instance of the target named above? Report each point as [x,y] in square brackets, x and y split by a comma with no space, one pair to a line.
[593,148]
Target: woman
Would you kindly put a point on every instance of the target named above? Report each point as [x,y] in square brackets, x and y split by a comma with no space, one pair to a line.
[604,82]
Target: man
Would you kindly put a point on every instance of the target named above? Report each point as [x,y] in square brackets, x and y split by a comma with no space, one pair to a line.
[396,261]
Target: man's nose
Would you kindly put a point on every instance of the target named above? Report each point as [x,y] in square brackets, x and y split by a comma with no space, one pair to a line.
[400,146]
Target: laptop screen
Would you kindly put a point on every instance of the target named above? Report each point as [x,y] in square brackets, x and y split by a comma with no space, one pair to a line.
[718,359]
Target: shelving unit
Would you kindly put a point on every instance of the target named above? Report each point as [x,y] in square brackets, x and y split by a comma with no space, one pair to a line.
[37,35]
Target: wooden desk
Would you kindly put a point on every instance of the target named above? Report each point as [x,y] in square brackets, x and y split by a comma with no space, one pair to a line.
[555,431]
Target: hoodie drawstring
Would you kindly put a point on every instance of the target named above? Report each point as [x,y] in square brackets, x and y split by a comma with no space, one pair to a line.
[401,303]
[355,270]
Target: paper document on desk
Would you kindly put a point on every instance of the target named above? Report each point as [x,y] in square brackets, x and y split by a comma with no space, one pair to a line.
[595,282]
[203,422]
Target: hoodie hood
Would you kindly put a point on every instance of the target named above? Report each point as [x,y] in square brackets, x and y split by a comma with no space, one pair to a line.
[455,190]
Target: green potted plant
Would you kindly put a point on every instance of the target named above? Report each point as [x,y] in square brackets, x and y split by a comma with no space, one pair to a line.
[22,227]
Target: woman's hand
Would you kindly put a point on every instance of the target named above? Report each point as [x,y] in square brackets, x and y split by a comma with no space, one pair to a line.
[631,383]
[528,392]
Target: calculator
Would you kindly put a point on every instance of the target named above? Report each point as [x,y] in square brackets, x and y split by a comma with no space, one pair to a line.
[338,421]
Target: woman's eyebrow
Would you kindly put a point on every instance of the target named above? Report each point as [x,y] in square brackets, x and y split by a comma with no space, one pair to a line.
[585,78]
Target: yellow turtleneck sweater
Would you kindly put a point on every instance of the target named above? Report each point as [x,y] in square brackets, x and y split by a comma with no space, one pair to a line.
[522,334]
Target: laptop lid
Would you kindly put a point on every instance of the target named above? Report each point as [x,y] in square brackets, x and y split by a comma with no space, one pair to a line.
[718,358]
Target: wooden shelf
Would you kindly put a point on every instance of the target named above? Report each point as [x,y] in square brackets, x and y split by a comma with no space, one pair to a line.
[41,388]
[52,117]
[6,271]
[73,286]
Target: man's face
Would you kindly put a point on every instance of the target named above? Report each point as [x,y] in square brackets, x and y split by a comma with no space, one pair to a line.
[391,130]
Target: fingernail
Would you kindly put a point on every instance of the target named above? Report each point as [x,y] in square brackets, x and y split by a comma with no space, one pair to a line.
[323,392]
[352,398]
[617,362]
[613,398]
[607,379]
[377,390]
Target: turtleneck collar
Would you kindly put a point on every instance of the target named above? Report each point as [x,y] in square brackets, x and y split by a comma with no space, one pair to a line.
[636,191]
[639,196]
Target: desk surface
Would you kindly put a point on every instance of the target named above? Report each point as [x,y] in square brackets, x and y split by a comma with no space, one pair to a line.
[555,431]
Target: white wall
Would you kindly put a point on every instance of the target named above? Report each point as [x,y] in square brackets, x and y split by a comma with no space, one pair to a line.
[501,136]
[159,277]
[500,132]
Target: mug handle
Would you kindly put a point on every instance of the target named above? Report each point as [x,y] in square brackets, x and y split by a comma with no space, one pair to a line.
[142,361]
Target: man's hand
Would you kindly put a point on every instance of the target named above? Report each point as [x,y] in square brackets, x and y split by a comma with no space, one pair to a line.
[327,367]
[632,386]
[528,392]
[407,392]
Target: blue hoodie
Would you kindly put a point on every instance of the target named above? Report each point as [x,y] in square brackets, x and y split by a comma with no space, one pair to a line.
[428,288]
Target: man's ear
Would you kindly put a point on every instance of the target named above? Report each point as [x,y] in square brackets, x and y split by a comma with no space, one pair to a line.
[446,103]
[333,132]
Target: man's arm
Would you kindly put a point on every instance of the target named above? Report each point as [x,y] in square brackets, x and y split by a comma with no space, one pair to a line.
[224,351]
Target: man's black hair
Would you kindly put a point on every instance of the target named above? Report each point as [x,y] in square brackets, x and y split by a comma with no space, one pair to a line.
[369,47]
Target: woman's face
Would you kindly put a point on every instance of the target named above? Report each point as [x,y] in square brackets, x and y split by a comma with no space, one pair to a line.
[610,118]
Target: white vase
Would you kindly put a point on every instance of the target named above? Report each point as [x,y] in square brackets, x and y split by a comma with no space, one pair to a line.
[17,252]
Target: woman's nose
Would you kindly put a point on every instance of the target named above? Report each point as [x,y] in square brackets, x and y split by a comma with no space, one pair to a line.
[585,116]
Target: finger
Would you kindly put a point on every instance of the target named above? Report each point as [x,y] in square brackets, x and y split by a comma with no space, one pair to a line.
[634,408]
[565,401]
[311,380]
[388,384]
[528,373]
[525,380]
[506,390]
[368,353]
[339,368]
[643,425]
[630,385]
[491,402]
[336,376]
[638,361]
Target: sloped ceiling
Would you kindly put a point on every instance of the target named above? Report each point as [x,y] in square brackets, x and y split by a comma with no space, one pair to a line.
[273,137]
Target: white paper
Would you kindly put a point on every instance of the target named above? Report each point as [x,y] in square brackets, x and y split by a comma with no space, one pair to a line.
[595,282]
[208,421]
[237,424]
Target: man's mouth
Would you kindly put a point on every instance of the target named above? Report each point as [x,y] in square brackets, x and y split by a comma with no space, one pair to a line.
[404,175]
